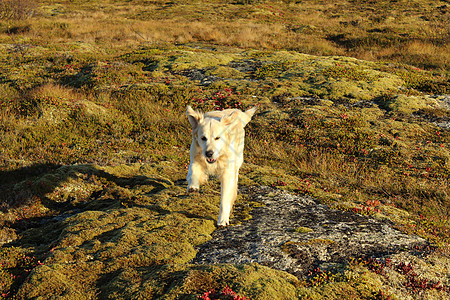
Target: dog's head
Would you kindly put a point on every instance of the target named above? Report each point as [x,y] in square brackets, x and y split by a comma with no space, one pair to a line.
[211,133]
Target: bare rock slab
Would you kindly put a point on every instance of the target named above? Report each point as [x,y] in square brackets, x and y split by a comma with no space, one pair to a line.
[296,233]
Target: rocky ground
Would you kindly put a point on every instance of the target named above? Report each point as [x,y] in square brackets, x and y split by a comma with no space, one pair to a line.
[297,234]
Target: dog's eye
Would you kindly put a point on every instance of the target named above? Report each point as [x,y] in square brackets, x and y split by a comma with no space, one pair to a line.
[204,138]
[217,138]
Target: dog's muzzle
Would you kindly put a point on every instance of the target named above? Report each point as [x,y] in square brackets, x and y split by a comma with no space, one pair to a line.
[209,155]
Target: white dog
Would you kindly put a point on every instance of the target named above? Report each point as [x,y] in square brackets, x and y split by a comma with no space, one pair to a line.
[217,148]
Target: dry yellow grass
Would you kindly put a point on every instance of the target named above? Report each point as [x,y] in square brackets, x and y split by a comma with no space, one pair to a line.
[414,33]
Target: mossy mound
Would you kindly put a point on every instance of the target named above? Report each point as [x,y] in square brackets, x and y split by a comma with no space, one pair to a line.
[95,250]
[118,220]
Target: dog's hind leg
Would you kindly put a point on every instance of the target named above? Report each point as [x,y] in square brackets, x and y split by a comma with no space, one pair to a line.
[228,196]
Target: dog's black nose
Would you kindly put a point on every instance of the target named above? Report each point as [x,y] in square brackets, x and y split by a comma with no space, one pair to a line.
[209,153]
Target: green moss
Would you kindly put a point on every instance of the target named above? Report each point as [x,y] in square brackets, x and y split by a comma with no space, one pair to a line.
[225,72]
[352,73]
[186,60]
[160,230]
[355,283]
[302,230]
[253,281]
[61,285]
[271,70]
[321,241]
[409,104]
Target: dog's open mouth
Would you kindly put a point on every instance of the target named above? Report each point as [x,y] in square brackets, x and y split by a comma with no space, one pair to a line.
[211,160]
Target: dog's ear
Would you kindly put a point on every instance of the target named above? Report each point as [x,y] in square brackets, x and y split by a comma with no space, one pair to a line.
[247,115]
[194,117]
[228,119]
[250,112]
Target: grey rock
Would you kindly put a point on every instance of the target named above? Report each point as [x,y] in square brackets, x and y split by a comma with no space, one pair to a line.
[245,65]
[296,234]
[444,101]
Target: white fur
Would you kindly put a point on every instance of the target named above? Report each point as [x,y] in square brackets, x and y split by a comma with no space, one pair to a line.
[219,134]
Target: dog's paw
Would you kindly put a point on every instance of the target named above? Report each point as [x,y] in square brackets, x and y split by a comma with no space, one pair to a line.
[193,189]
[223,223]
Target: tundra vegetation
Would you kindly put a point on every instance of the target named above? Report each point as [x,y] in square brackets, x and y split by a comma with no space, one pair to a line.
[94,144]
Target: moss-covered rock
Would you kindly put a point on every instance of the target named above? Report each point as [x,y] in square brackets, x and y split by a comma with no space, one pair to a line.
[409,104]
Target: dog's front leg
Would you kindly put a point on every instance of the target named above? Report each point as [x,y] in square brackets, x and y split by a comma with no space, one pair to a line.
[195,177]
[228,196]
[196,174]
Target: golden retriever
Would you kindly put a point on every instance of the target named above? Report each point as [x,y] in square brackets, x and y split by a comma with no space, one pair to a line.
[217,148]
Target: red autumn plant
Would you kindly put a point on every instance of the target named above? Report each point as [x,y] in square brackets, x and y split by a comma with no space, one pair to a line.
[226,294]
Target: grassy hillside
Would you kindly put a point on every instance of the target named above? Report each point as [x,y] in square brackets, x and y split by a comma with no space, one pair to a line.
[354,111]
